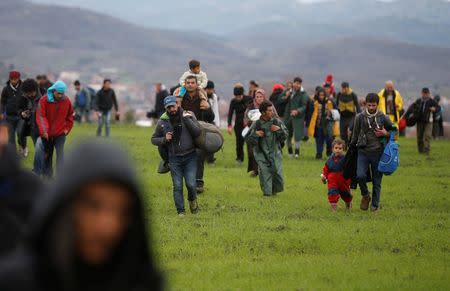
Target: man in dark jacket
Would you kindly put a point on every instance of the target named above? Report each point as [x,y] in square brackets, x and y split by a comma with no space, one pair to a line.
[82,102]
[294,116]
[44,83]
[161,93]
[196,102]
[9,108]
[277,100]
[27,110]
[348,106]
[177,130]
[18,192]
[54,117]
[104,102]
[88,231]
[428,107]
[238,106]
[370,133]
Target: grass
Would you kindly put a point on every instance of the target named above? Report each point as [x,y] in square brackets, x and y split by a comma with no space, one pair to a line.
[242,241]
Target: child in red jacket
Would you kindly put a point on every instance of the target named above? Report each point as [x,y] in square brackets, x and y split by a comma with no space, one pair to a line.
[332,173]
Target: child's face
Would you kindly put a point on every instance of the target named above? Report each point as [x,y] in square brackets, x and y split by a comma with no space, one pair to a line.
[338,149]
[196,70]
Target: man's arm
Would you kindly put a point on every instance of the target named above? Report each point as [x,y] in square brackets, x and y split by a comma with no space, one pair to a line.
[355,100]
[41,119]
[204,80]
[183,78]
[69,119]
[116,107]
[158,137]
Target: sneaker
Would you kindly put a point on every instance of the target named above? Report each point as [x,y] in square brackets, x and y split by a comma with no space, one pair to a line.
[181,214]
[348,205]
[253,174]
[297,157]
[333,207]
[25,152]
[193,206]
[365,200]
[163,167]
[200,189]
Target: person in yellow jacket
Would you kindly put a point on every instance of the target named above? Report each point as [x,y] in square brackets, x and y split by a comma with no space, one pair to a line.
[322,126]
[391,102]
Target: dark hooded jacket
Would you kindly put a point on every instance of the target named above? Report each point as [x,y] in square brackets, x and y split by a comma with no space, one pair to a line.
[18,192]
[10,99]
[47,260]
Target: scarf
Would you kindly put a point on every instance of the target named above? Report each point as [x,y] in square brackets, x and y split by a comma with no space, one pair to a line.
[369,116]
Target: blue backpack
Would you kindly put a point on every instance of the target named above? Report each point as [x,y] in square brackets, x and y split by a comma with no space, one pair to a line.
[390,158]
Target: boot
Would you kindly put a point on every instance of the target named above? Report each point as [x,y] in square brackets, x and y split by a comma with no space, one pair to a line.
[365,200]
[193,205]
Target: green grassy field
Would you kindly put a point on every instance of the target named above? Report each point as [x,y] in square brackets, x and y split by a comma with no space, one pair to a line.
[242,241]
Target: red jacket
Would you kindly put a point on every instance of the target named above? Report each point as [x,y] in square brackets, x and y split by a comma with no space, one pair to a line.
[333,171]
[54,118]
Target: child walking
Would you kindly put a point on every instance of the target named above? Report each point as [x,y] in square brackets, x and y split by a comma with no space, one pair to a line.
[338,186]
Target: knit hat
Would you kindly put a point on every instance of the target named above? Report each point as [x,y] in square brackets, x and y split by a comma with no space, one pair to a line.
[210,85]
[278,87]
[14,75]
[237,91]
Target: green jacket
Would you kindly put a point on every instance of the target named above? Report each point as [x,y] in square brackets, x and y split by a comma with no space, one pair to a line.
[267,149]
[297,101]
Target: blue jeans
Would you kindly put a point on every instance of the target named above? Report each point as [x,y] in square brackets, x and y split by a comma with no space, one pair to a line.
[105,119]
[322,138]
[364,160]
[43,156]
[183,167]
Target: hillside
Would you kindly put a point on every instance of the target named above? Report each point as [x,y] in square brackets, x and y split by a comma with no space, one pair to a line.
[45,38]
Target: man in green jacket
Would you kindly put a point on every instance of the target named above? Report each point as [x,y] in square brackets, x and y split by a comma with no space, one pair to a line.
[266,137]
[294,116]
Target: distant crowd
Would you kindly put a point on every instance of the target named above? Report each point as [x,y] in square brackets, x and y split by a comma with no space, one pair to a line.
[86,229]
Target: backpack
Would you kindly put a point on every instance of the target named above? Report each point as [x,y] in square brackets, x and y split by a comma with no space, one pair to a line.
[413,113]
[210,139]
[81,99]
[389,160]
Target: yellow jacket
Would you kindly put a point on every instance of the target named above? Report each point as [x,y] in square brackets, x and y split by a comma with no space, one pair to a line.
[312,124]
[398,105]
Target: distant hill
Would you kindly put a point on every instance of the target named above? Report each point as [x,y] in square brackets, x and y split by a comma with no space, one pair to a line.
[39,38]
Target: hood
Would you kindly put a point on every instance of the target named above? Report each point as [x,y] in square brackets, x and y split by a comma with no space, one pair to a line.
[278,87]
[59,87]
[50,231]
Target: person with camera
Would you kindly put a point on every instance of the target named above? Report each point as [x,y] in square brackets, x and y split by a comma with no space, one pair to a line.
[176,130]
[28,104]
[266,137]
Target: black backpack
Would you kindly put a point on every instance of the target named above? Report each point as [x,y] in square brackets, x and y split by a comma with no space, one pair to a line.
[413,113]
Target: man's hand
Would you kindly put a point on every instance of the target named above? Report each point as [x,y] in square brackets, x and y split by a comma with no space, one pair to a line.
[274,128]
[323,178]
[381,132]
[204,104]
[99,114]
[230,130]
[187,114]
[45,136]
[260,133]
[169,136]
[433,109]
[294,112]
[65,132]
[24,114]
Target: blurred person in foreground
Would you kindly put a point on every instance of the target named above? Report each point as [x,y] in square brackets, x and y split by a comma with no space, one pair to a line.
[88,230]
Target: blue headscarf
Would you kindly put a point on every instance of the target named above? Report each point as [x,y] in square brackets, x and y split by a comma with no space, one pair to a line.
[59,87]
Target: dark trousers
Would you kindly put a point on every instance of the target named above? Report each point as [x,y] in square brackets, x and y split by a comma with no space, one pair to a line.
[201,157]
[424,136]
[15,127]
[239,143]
[43,157]
[364,161]
[183,167]
[322,138]
[252,164]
